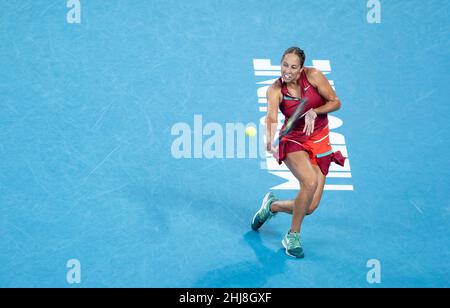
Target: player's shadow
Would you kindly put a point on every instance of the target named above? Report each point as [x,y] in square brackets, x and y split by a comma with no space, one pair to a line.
[247,274]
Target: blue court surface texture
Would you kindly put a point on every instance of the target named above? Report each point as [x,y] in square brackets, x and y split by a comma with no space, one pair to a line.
[117,169]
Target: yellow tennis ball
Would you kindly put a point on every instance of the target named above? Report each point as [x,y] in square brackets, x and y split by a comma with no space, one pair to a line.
[250,131]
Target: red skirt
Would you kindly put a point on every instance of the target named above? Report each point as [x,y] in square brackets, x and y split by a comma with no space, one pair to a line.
[317,146]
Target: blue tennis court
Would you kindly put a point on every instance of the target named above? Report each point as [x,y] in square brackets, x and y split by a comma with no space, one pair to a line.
[123,161]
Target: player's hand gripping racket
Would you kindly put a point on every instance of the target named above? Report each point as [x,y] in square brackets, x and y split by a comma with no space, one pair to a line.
[297,115]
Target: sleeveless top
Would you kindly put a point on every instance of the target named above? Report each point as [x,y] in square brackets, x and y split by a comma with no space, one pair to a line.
[290,103]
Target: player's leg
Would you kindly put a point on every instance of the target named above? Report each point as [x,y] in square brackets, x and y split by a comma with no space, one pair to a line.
[284,206]
[319,191]
[300,166]
[287,206]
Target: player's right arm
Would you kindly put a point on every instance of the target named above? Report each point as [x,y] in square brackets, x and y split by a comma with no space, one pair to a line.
[273,103]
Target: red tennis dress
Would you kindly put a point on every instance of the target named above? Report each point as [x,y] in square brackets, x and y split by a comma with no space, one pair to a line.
[317,145]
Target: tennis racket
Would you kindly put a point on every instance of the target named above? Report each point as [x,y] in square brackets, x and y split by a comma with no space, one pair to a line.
[297,115]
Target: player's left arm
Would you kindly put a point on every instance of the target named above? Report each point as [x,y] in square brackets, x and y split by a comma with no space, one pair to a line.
[326,91]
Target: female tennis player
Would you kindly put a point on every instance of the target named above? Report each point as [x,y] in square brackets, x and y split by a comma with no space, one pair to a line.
[306,150]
